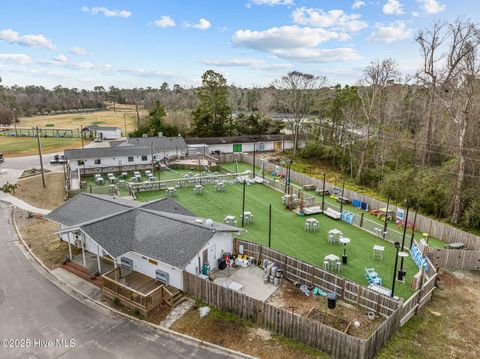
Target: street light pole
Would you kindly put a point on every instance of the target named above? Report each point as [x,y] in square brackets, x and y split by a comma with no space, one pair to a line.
[81,133]
[341,199]
[254,152]
[40,155]
[270,227]
[386,218]
[413,228]
[397,246]
[403,237]
[243,203]
[323,193]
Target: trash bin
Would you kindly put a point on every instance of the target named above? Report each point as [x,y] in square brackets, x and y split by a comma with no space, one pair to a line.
[401,274]
[344,259]
[332,300]
[222,263]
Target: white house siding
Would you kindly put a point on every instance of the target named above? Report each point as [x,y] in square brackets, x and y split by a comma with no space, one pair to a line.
[223,243]
[110,134]
[246,147]
[142,265]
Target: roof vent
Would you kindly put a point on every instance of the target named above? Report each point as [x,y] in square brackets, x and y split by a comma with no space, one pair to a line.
[199,220]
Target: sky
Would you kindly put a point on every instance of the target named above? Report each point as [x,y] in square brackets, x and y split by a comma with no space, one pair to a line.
[251,42]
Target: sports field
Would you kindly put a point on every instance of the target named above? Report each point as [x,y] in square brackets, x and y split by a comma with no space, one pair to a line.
[288,234]
[27,146]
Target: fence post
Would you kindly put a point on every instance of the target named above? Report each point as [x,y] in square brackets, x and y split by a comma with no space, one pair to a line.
[361,219]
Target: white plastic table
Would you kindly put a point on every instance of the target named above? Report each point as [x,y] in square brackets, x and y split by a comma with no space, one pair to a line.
[332,258]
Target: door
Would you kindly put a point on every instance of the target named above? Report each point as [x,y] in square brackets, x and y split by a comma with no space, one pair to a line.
[237,147]
[212,256]
[278,146]
[261,147]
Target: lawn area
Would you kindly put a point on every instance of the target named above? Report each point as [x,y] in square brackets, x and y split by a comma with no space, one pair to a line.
[31,190]
[27,146]
[288,234]
[74,120]
[433,242]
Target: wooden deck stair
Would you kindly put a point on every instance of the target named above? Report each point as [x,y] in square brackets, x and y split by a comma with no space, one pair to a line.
[173,296]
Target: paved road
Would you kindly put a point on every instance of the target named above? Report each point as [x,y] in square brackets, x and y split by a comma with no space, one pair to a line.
[33,307]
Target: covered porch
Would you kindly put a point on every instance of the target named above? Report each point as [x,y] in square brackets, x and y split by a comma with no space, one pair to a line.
[136,290]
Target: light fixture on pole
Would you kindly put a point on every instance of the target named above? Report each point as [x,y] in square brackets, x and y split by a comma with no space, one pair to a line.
[40,155]
[397,247]
[254,152]
[243,203]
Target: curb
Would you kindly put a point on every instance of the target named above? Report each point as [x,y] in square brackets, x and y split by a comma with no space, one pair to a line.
[170,333]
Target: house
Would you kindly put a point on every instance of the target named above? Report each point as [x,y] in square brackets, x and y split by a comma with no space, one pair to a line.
[104,133]
[159,239]
[134,153]
[236,144]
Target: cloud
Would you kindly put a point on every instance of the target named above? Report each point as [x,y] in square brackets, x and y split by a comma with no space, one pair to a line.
[39,41]
[249,63]
[285,37]
[202,24]
[392,32]
[80,51]
[358,4]
[432,6]
[164,22]
[270,2]
[393,7]
[106,11]
[335,19]
[21,59]
[295,43]
[61,58]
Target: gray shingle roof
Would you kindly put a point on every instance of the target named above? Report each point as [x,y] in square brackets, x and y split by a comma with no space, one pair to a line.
[171,238]
[103,152]
[85,207]
[99,128]
[236,139]
[159,143]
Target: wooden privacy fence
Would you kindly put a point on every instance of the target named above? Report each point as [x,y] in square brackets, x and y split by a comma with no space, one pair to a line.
[435,228]
[454,259]
[307,331]
[418,299]
[297,270]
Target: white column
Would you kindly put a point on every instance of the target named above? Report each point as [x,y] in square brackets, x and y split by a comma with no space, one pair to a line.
[98,260]
[83,252]
[69,247]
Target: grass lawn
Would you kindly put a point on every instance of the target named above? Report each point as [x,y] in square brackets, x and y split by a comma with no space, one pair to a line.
[27,146]
[433,242]
[74,120]
[288,234]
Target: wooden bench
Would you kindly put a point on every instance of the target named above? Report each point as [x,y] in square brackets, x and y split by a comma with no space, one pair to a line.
[332,213]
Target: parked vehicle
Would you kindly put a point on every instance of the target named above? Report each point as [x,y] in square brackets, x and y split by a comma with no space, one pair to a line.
[58,160]
[1,157]
[97,139]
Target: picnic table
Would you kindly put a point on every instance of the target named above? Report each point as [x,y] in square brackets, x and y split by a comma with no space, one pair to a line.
[248,217]
[332,261]
[220,187]
[124,175]
[230,220]
[171,191]
[311,224]
[198,189]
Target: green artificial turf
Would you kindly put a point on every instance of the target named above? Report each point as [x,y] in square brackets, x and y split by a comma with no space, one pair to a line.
[288,234]
[432,241]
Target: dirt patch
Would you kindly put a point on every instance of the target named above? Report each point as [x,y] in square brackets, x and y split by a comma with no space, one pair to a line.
[156,316]
[291,298]
[445,328]
[31,191]
[39,235]
[230,331]
[32,172]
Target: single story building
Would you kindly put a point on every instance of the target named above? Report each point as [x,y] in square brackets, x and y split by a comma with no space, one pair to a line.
[159,239]
[102,132]
[237,144]
[125,155]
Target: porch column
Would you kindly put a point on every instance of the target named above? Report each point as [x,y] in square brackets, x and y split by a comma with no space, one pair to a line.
[69,246]
[98,260]
[115,266]
[83,253]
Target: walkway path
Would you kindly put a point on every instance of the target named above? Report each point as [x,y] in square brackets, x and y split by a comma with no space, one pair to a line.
[22,204]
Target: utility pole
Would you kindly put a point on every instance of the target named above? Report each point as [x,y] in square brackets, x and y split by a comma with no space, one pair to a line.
[270,227]
[15,120]
[81,133]
[40,155]
[243,203]
[125,123]
[254,152]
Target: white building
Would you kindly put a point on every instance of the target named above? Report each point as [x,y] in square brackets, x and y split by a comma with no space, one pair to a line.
[159,239]
[102,132]
[237,144]
[126,154]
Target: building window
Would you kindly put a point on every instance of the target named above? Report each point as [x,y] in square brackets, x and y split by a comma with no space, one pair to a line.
[130,159]
[80,162]
[97,161]
[237,147]
[144,158]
